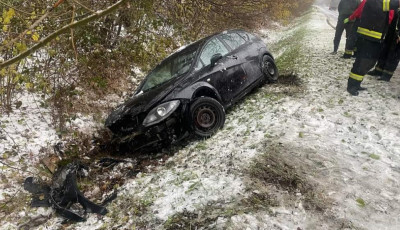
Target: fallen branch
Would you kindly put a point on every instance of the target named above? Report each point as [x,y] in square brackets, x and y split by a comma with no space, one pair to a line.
[12,167]
[35,221]
[12,139]
[72,35]
[11,199]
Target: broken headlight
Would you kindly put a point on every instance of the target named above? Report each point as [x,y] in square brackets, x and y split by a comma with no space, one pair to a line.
[161,112]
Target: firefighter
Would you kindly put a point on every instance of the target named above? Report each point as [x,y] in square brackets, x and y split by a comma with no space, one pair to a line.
[372,29]
[355,17]
[345,8]
[390,54]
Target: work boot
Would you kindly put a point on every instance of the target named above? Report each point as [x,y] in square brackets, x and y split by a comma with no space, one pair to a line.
[334,52]
[375,72]
[353,86]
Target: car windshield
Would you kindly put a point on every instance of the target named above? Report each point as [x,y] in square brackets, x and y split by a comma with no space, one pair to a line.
[171,68]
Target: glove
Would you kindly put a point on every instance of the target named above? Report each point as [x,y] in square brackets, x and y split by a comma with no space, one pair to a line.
[346,20]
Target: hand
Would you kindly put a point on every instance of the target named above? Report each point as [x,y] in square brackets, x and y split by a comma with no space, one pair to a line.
[346,20]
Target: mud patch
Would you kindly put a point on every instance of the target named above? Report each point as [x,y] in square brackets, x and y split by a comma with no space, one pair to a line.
[189,220]
[290,79]
[272,169]
[289,177]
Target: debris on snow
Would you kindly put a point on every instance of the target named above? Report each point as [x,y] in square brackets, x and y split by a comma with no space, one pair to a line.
[62,194]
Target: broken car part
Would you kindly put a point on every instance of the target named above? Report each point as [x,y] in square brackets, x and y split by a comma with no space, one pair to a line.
[62,193]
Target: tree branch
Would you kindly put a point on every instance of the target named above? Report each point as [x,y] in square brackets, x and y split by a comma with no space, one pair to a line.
[72,35]
[85,7]
[10,44]
[16,9]
[64,29]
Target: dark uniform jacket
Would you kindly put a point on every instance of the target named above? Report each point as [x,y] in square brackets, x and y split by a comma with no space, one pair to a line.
[374,19]
[347,7]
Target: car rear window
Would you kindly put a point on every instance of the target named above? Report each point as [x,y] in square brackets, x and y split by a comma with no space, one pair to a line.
[233,40]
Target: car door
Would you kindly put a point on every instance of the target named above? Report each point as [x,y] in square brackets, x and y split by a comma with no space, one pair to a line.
[249,52]
[240,50]
[227,74]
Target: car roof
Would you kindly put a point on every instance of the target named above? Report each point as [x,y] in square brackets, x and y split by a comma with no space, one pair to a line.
[227,31]
[199,43]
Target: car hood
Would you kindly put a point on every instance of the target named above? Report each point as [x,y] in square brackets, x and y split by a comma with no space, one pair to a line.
[140,103]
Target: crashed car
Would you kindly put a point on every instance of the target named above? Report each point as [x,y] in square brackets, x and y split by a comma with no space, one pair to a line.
[190,90]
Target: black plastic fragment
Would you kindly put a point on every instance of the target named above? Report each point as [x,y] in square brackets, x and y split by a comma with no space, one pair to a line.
[40,193]
[107,162]
[62,194]
[109,198]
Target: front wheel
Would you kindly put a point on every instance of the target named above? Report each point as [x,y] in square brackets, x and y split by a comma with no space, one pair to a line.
[269,69]
[207,116]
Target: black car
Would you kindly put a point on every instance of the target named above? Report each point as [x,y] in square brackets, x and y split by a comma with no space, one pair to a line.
[190,90]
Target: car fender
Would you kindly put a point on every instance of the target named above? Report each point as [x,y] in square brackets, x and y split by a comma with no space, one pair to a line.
[263,51]
[196,89]
[186,96]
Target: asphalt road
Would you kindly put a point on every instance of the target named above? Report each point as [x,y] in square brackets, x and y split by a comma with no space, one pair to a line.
[331,16]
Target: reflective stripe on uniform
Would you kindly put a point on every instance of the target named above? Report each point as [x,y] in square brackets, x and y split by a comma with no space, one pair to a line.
[348,52]
[388,72]
[356,77]
[378,69]
[386,5]
[369,33]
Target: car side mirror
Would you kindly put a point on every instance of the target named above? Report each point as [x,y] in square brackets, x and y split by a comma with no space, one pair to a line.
[215,58]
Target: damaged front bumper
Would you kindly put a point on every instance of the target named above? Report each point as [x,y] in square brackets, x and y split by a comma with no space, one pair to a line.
[170,130]
[154,136]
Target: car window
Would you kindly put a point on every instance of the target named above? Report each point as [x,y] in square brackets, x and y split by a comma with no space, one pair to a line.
[198,66]
[162,74]
[171,68]
[244,35]
[214,46]
[251,36]
[233,40]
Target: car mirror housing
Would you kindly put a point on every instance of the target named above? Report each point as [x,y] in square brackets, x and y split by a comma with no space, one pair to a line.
[215,58]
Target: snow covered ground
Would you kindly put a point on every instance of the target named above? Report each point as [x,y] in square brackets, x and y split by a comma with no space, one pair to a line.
[340,155]
[24,134]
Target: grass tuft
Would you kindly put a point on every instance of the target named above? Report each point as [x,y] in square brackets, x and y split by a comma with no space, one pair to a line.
[360,202]
[374,156]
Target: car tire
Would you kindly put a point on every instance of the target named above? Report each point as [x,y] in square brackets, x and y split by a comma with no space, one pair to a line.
[269,69]
[207,115]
